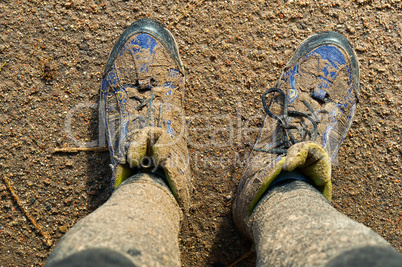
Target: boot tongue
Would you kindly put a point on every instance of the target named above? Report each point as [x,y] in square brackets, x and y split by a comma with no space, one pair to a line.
[141,147]
[139,153]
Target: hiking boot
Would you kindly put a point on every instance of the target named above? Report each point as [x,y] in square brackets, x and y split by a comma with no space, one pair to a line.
[308,115]
[141,106]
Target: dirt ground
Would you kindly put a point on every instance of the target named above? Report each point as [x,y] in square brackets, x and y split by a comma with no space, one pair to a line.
[54,54]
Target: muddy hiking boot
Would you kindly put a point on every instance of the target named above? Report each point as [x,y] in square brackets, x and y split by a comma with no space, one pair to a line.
[308,115]
[141,105]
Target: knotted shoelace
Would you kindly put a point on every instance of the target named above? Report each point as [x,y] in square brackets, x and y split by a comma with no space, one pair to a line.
[284,123]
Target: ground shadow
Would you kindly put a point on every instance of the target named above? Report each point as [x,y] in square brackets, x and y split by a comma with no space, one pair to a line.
[98,167]
[239,253]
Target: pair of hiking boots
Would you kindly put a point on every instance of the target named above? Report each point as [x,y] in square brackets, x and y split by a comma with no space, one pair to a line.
[308,114]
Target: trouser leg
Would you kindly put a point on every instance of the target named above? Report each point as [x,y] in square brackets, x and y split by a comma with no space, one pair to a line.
[140,221]
[295,225]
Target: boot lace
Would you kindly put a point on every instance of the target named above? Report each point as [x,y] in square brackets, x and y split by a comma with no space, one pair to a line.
[284,123]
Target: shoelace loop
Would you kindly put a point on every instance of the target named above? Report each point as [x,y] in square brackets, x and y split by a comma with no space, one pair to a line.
[283,122]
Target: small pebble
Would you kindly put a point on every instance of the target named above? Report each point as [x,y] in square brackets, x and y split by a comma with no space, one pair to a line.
[63,229]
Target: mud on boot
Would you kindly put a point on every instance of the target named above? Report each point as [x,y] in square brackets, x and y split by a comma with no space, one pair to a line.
[308,115]
[141,107]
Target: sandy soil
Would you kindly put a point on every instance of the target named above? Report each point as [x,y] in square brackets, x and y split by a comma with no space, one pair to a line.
[55,51]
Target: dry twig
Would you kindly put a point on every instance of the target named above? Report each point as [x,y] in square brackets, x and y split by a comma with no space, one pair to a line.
[47,241]
[244,256]
[80,149]
[3,65]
